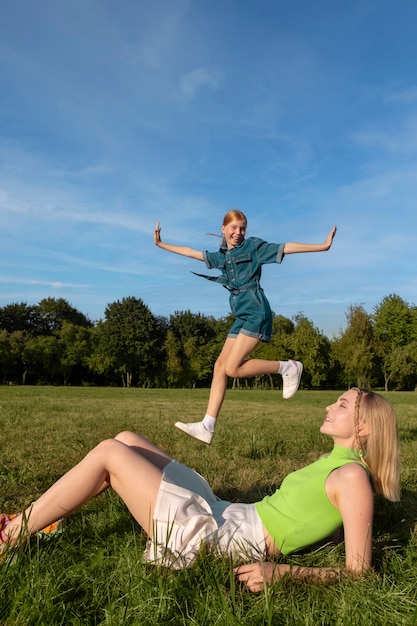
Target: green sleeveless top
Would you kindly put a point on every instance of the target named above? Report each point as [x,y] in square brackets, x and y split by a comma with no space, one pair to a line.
[299,513]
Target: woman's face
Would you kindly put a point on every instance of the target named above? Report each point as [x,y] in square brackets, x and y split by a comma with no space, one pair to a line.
[234,233]
[338,422]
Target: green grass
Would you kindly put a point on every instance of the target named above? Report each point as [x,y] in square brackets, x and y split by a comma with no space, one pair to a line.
[92,572]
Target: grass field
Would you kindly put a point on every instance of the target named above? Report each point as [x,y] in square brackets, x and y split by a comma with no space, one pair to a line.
[91,573]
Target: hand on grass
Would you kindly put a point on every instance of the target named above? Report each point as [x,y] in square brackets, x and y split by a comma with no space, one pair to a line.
[257,575]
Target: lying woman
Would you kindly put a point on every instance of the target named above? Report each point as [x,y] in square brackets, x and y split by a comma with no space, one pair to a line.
[181,515]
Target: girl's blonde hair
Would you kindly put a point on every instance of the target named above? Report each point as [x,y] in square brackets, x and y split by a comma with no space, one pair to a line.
[234,214]
[231,215]
[380,449]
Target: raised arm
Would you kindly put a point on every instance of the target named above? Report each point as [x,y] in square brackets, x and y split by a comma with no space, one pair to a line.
[292,247]
[183,250]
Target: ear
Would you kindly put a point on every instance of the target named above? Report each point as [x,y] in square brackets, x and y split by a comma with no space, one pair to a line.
[363,430]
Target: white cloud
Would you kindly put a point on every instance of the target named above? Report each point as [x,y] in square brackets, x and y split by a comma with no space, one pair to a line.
[42,283]
[403,96]
[198,78]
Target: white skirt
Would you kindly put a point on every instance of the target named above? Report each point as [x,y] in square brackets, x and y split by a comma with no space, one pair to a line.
[189,519]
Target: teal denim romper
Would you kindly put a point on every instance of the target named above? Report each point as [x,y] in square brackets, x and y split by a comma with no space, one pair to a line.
[241,269]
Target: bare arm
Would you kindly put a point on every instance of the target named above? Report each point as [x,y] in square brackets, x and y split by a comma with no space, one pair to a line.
[350,490]
[355,501]
[292,247]
[183,250]
[264,573]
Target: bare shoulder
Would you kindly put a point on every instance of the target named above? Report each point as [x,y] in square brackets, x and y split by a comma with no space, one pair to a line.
[352,479]
[350,475]
[352,471]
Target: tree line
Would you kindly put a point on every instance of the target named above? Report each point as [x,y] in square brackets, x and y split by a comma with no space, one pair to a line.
[54,343]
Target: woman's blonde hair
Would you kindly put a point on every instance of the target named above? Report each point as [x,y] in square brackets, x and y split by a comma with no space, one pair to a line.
[380,449]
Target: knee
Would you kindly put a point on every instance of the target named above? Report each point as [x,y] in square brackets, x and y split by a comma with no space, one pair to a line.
[232,372]
[228,369]
[220,365]
[107,451]
[105,446]
[125,436]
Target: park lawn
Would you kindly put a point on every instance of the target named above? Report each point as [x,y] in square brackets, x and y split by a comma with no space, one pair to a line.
[92,573]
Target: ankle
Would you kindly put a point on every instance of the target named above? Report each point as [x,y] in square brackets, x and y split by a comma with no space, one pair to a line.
[209,422]
[285,367]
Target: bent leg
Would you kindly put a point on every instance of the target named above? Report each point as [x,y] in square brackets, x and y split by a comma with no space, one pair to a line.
[237,365]
[232,361]
[134,478]
[219,381]
[144,447]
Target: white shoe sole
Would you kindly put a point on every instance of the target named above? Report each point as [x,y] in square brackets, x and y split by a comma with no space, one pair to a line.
[294,384]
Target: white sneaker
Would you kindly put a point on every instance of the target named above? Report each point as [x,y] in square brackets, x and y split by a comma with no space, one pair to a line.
[196,430]
[291,381]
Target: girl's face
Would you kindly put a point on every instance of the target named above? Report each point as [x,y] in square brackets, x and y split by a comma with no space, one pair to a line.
[339,420]
[234,233]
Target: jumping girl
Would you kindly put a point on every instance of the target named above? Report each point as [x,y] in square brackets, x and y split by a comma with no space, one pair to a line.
[181,515]
[240,261]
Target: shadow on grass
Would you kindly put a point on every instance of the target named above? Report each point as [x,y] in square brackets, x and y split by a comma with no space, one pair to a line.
[408,434]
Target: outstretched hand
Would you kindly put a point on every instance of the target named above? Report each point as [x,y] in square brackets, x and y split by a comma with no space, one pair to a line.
[157,234]
[330,237]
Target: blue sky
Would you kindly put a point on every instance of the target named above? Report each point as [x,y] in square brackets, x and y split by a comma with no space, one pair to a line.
[115,114]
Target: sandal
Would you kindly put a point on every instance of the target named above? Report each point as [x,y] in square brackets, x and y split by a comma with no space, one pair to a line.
[6,519]
[4,522]
[5,542]
[53,528]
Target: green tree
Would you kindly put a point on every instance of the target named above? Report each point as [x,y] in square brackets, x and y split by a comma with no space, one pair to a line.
[100,362]
[354,349]
[41,355]
[4,355]
[53,312]
[278,349]
[19,316]
[312,348]
[173,351]
[130,340]
[189,349]
[395,324]
[74,349]
[12,364]
[18,340]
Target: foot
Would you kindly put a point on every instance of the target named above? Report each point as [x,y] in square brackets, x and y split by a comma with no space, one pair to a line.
[291,380]
[196,430]
[8,546]
[5,542]
[6,519]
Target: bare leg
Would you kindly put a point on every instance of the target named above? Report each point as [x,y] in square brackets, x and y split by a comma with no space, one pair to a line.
[141,446]
[134,476]
[232,362]
[144,447]
[219,381]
